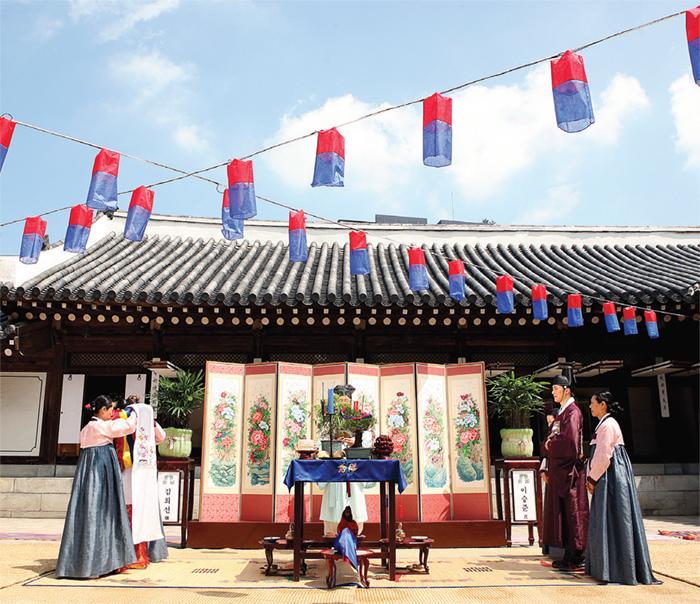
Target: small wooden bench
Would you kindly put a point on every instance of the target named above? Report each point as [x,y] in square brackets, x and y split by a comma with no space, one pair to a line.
[331,557]
[271,546]
[422,546]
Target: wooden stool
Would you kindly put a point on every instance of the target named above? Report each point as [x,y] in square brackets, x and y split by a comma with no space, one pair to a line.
[423,547]
[331,557]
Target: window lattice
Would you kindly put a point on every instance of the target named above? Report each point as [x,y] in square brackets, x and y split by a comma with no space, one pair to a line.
[389,358]
[519,359]
[630,360]
[200,359]
[310,359]
[92,359]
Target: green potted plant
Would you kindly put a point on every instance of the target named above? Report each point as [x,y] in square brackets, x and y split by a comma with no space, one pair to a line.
[515,400]
[176,399]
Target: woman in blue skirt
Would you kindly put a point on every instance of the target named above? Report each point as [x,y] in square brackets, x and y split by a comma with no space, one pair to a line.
[617,544]
[96,535]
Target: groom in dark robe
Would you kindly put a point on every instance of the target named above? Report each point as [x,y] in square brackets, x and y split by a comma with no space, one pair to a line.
[566,511]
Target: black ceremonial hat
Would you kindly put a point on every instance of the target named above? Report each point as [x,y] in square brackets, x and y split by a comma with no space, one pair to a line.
[566,379]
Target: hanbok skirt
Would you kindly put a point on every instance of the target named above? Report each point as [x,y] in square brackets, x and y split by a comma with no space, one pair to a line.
[96,534]
[617,545]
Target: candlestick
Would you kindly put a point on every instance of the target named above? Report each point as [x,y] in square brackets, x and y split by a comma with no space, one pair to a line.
[330,401]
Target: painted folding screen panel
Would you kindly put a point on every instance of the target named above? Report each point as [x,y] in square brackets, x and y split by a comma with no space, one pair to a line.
[433,443]
[466,403]
[222,451]
[398,414]
[365,380]
[258,467]
[324,377]
[294,396]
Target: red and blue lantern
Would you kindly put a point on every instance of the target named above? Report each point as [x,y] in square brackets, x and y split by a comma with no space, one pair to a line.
[652,325]
[572,97]
[574,312]
[629,321]
[539,303]
[504,294]
[241,190]
[139,212]
[79,225]
[692,29]
[457,279]
[232,228]
[437,131]
[417,271]
[7,129]
[298,251]
[102,194]
[329,170]
[359,256]
[610,315]
[32,240]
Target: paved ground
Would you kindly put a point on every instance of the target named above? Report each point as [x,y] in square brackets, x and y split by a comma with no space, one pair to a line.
[676,562]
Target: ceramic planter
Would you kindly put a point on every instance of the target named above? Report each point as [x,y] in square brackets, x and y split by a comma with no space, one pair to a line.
[177,443]
[516,442]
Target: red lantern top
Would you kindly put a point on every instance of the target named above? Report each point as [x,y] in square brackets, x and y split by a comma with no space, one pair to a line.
[331,141]
[240,171]
[649,316]
[568,67]
[107,162]
[539,292]
[7,128]
[692,23]
[80,215]
[358,240]
[35,226]
[416,256]
[456,267]
[437,107]
[504,283]
[629,313]
[142,197]
[609,308]
[574,301]
[297,221]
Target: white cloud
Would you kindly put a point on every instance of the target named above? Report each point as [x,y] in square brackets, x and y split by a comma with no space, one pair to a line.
[45,27]
[148,74]
[685,100]
[123,15]
[190,137]
[559,204]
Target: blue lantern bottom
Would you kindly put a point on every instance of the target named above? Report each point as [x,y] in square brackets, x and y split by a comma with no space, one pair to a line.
[694,50]
[136,222]
[76,239]
[575,317]
[418,277]
[31,248]
[573,106]
[359,262]
[3,154]
[612,323]
[241,200]
[505,302]
[457,287]
[540,310]
[630,327]
[102,194]
[298,251]
[329,170]
[437,144]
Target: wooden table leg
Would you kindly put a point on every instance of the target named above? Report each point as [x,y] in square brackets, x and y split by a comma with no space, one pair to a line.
[330,578]
[269,558]
[364,565]
[298,527]
[423,557]
[392,531]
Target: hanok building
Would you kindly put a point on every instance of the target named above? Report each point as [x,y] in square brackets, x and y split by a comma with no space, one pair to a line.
[186,295]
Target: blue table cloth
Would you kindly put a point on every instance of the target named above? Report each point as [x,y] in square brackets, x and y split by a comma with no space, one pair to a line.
[344,470]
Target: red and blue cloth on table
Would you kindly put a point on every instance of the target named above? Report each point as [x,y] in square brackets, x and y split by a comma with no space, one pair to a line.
[298,251]
[359,256]
[102,194]
[139,212]
[79,226]
[572,97]
[457,279]
[241,190]
[7,128]
[573,312]
[539,303]
[692,28]
[32,240]
[629,321]
[232,228]
[437,131]
[610,314]
[652,325]
[329,170]
[504,294]
[417,271]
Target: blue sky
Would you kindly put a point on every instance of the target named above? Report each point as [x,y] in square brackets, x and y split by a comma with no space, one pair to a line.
[193,84]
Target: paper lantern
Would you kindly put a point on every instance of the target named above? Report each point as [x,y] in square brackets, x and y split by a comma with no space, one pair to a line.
[329,170]
[457,279]
[652,325]
[629,320]
[140,210]
[417,271]
[539,303]
[572,97]
[504,294]
[359,256]
[7,129]
[574,312]
[32,240]
[241,190]
[102,194]
[437,131]
[692,29]
[298,251]
[610,314]
[232,228]
[79,225]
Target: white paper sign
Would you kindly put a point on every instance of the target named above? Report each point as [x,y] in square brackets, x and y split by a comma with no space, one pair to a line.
[169,492]
[523,494]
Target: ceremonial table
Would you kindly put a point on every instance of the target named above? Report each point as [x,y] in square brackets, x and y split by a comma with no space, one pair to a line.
[386,472]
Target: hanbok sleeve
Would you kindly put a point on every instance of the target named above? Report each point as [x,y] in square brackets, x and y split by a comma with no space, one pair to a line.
[608,436]
[119,427]
[159,433]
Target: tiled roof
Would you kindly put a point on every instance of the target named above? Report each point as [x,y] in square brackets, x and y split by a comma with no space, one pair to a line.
[165,270]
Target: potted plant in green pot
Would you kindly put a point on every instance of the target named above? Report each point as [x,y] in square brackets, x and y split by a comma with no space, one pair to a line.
[177,398]
[515,400]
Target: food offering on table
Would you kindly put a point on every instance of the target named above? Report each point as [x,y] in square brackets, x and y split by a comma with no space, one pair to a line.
[418,537]
[338,454]
[323,455]
[383,447]
[306,449]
